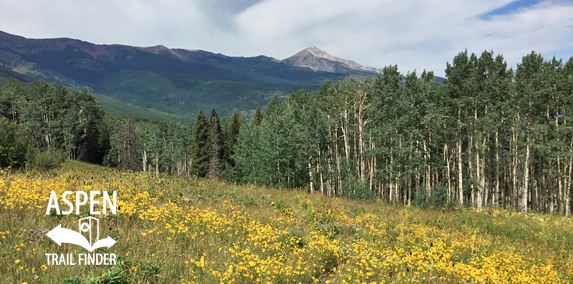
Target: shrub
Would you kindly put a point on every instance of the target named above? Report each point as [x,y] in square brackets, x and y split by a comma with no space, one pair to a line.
[356,189]
[421,198]
[45,160]
[439,197]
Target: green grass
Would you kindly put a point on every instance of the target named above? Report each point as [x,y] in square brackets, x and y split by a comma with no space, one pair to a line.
[115,107]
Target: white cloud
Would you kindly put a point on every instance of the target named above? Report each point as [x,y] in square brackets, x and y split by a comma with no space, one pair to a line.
[413,34]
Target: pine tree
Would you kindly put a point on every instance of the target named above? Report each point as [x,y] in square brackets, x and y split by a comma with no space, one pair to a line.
[216,149]
[235,129]
[257,117]
[231,140]
[201,146]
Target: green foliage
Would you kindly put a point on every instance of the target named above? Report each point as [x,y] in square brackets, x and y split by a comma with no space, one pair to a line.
[44,160]
[13,144]
[111,276]
[217,146]
[356,189]
[421,199]
[489,135]
[201,147]
[439,198]
[149,111]
[55,118]
[257,117]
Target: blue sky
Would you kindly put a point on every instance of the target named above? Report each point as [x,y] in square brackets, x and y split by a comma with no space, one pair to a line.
[512,7]
[414,34]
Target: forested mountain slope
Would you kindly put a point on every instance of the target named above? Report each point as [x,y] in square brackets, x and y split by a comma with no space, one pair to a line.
[185,80]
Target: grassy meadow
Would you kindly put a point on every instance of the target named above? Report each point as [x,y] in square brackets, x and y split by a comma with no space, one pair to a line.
[185,230]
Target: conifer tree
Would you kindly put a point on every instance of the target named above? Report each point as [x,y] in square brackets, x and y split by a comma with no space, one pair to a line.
[235,128]
[201,146]
[233,135]
[216,149]
[257,117]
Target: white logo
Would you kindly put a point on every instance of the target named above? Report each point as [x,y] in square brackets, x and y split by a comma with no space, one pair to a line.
[87,226]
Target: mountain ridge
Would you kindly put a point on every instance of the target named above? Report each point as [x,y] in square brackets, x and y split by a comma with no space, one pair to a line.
[187,80]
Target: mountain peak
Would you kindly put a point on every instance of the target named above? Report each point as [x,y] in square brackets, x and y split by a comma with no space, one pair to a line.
[318,52]
[155,49]
[319,60]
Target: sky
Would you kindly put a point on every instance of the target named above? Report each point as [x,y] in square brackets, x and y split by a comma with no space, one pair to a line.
[413,34]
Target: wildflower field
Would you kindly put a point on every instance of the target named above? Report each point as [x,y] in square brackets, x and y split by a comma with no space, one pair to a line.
[186,230]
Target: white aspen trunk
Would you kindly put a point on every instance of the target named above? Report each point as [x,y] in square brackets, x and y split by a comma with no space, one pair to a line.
[395,191]
[322,184]
[410,195]
[371,165]
[427,170]
[144,161]
[391,196]
[460,170]
[561,199]
[485,187]
[361,143]
[320,173]
[330,182]
[391,193]
[405,195]
[551,198]
[478,178]
[471,172]
[515,164]
[337,156]
[156,164]
[310,175]
[396,196]
[568,179]
[356,155]
[494,196]
[568,188]
[345,135]
[525,179]
[447,158]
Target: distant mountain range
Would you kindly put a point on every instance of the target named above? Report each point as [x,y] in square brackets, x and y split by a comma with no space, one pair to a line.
[172,80]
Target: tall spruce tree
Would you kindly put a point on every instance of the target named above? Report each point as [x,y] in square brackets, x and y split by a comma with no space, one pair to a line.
[216,149]
[257,117]
[233,135]
[201,146]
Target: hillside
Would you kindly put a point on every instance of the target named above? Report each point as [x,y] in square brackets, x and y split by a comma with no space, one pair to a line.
[115,107]
[185,80]
[187,230]
[7,75]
